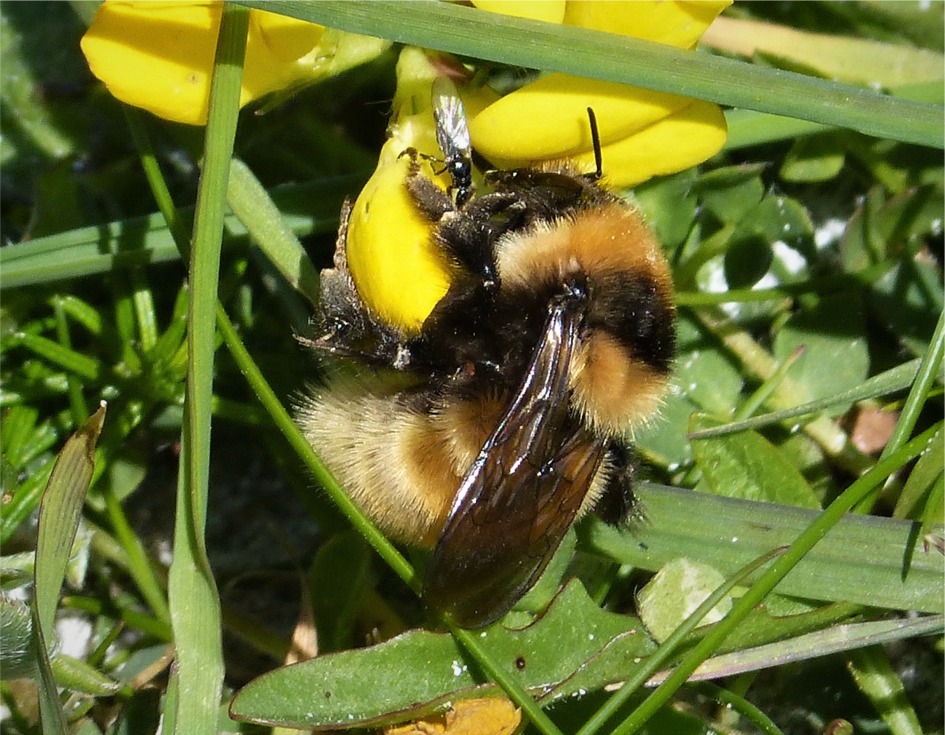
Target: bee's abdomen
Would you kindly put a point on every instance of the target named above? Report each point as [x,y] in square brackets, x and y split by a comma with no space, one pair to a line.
[620,370]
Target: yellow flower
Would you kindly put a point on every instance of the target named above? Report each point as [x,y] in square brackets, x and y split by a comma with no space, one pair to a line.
[643,133]
[159,55]
[399,272]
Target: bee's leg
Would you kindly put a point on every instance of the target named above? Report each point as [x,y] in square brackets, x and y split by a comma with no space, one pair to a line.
[618,503]
[471,235]
[433,203]
[341,307]
[344,326]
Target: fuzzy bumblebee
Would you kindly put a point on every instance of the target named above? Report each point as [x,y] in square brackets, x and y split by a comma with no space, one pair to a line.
[486,430]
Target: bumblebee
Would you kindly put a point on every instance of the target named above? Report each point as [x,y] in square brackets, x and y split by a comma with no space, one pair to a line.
[486,432]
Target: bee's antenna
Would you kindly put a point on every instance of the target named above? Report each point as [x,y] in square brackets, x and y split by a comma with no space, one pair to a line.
[595,141]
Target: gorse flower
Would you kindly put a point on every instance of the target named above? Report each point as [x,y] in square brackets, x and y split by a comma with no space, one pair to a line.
[159,55]
[643,133]
[399,272]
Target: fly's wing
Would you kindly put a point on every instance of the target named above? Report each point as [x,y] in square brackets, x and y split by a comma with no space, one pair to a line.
[452,135]
[452,131]
[521,494]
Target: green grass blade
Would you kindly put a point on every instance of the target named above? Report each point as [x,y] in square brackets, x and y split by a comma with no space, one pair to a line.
[27,496]
[669,646]
[262,217]
[86,251]
[878,680]
[73,362]
[928,372]
[890,381]
[194,602]
[519,42]
[770,579]
[829,640]
[385,549]
[307,208]
[139,566]
[470,641]
[76,402]
[59,515]
[51,717]
[861,560]
[741,705]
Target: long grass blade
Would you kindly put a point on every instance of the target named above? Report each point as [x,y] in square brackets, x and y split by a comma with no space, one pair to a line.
[469,32]
[194,602]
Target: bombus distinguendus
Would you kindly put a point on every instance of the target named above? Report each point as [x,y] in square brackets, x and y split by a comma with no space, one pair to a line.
[505,417]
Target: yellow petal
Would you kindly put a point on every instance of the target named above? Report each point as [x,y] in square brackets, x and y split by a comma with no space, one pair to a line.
[675,22]
[397,269]
[155,56]
[273,47]
[483,716]
[548,118]
[287,39]
[159,56]
[684,139]
[551,11]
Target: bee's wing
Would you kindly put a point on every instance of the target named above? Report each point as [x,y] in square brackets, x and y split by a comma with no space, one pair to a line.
[521,494]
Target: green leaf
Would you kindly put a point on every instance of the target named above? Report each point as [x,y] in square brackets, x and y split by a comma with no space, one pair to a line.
[885,226]
[779,219]
[730,193]
[52,719]
[836,353]
[749,467]
[855,60]
[74,362]
[675,592]
[19,428]
[17,654]
[877,679]
[812,159]
[913,502]
[663,440]
[415,672]
[369,686]
[82,313]
[78,676]
[35,129]
[141,713]
[539,597]
[259,214]
[918,22]
[338,581]
[908,300]
[766,242]
[670,205]
[746,261]
[705,374]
